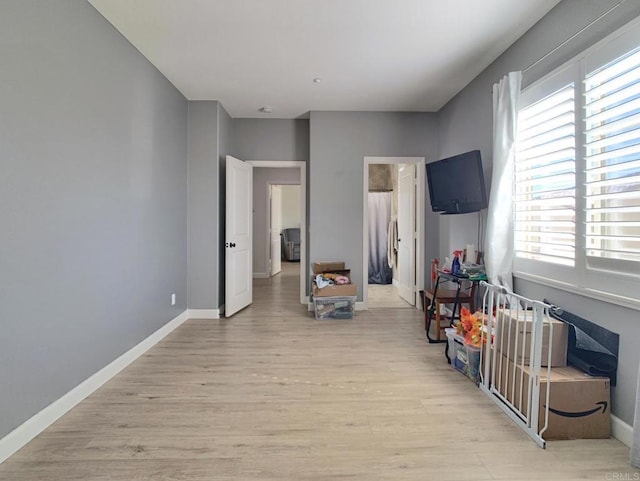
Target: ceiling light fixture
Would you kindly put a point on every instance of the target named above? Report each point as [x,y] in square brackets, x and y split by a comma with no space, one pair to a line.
[317,80]
[266,109]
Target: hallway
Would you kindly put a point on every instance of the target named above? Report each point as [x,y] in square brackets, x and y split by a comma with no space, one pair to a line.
[273,394]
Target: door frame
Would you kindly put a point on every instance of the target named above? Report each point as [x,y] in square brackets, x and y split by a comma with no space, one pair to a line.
[269,233]
[271,184]
[420,164]
[302,165]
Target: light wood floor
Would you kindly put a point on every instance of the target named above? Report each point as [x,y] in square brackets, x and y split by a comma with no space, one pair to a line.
[273,394]
[385,295]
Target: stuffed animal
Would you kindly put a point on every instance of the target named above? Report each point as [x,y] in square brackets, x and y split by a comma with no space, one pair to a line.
[338,279]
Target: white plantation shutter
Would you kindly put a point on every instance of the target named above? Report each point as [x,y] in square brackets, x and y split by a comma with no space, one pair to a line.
[576,198]
[612,162]
[545,180]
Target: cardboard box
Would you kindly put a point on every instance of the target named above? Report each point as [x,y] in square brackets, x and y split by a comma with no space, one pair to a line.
[513,338]
[335,290]
[327,266]
[579,404]
[342,272]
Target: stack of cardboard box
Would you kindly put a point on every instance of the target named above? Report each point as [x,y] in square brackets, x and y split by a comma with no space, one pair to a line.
[334,301]
[579,404]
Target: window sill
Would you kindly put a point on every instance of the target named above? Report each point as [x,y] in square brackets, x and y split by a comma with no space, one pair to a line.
[617,300]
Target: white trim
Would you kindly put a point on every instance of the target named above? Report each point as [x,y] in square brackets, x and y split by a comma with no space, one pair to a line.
[621,431]
[268,255]
[581,291]
[204,313]
[261,275]
[420,213]
[304,228]
[40,421]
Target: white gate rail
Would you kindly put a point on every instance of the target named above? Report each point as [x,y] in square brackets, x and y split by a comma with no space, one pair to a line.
[511,370]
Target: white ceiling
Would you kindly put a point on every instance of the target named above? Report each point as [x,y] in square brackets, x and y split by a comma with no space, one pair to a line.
[372,55]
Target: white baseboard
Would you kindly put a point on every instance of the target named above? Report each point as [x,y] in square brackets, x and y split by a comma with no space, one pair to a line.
[33,426]
[261,275]
[621,431]
[203,313]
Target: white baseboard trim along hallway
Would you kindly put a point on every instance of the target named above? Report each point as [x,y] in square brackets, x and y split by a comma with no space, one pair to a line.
[33,426]
[621,431]
[203,313]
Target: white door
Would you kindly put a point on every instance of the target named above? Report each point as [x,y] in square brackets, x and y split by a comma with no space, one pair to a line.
[238,235]
[275,228]
[406,230]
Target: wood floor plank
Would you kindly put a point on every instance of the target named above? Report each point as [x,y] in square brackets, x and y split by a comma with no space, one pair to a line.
[274,394]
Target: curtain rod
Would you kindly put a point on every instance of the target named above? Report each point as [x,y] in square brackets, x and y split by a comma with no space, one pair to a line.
[573,36]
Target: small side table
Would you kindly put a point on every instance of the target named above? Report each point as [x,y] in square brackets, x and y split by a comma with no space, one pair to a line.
[449,296]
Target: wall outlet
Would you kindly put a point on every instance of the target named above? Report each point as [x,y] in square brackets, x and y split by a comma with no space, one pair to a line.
[173,299]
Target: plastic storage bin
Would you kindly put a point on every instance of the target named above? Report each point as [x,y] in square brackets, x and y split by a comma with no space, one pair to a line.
[334,307]
[450,332]
[473,361]
[464,358]
[457,352]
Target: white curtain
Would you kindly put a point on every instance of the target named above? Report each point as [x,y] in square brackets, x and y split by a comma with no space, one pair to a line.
[379,218]
[499,236]
[635,447]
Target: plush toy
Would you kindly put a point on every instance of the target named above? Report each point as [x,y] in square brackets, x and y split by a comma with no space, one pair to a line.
[336,278]
[340,280]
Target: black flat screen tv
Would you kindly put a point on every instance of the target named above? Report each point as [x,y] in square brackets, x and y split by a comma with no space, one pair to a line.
[456,184]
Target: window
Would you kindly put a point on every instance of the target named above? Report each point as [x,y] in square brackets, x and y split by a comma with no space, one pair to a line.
[577,172]
[545,180]
[612,160]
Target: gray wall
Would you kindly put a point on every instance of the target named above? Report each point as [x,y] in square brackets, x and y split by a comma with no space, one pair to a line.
[466,121]
[339,143]
[213,135]
[262,177]
[93,193]
[271,139]
[204,206]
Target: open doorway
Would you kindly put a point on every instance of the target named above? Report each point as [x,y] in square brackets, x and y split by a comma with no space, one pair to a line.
[279,205]
[393,231]
[284,226]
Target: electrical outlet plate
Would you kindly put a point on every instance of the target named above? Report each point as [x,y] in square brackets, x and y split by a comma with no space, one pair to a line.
[173,299]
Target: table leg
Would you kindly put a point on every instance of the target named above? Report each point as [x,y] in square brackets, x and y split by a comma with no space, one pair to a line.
[428,315]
